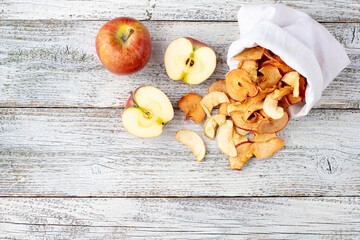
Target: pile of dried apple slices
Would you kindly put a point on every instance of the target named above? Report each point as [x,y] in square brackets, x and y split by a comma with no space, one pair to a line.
[252,99]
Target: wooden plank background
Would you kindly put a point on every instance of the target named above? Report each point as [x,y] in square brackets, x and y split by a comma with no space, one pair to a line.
[179,218]
[54,64]
[69,170]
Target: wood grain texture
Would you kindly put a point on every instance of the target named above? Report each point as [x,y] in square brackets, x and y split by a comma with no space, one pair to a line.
[179,218]
[54,64]
[323,10]
[87,152]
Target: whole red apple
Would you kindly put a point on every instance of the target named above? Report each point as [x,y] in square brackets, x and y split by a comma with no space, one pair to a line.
[123,45]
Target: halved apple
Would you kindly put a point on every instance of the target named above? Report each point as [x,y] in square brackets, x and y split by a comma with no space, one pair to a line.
[193,141]
[189,60]
[146,112]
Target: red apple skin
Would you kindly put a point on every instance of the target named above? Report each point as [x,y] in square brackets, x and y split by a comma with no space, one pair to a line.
[131,102]
[123,45]
[197,44]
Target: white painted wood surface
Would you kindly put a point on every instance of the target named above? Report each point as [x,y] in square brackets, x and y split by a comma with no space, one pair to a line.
[54,64]
[180,218]
[68,169]
[87,152]
[185,10]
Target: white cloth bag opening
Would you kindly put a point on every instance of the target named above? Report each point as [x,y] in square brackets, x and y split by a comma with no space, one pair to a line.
[301,42]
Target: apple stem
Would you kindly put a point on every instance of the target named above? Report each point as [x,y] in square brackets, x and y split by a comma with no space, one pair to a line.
[130,33]
[133,98]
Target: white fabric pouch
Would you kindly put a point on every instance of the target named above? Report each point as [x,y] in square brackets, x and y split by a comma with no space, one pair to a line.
[301,42]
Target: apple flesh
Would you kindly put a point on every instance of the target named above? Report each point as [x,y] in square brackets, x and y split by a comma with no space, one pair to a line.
[146,112]
[189,60]
[123,45]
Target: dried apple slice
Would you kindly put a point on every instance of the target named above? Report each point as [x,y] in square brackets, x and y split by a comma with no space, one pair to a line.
[272,76]
[223,109]
[211,123]
[266,149]
[284,102]
[263,137]
[262,94]
[190,105]
[271,107]
[302,88]
[250,125]
[254,53]
[293,100]
[272,125]
[212,99]
[251,67]
[293,79]
[219,86]
[241,131]
[193,141]
[239,85]
[251,109]
[238,138]
[283,67]
[244,153]
[224,139]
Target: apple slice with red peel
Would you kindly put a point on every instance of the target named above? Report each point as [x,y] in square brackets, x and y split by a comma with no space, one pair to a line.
[243,154]
[254,53]
[190,105]
[250,125]
[266,149]
[241,131]
[272,76]
[292,79]
[263,137]
[239,85]
[146,112]
[211,123]
[224,138]
[189,60]
[193,141]
[212,99]
[272,125]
